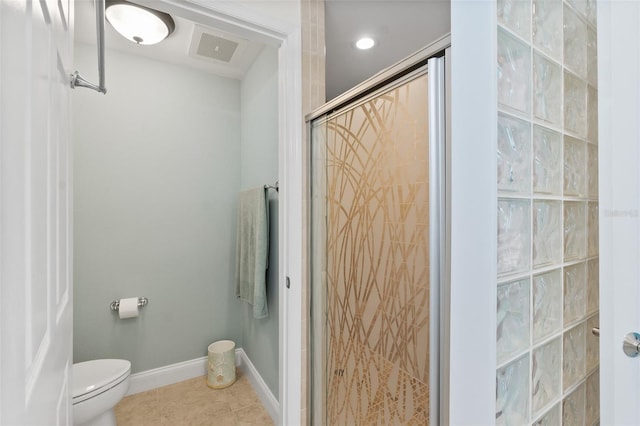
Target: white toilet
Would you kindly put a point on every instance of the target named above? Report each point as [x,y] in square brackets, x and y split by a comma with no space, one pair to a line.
[98,386]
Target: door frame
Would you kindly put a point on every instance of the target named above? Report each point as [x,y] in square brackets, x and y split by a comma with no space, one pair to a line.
[619,181]
[473,251]
[262,26]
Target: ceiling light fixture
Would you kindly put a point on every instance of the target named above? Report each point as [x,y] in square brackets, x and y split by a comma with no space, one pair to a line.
[140,24]
[365,43]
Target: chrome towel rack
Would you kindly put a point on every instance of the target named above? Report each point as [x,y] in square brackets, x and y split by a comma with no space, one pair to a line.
[76,79]
[276,186]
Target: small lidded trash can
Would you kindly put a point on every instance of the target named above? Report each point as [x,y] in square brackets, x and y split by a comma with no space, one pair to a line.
[222,364]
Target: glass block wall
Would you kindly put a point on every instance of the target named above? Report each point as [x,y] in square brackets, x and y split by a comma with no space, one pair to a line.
[547,298]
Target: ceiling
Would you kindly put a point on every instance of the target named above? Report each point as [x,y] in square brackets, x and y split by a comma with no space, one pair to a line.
[400,27]
[176,49]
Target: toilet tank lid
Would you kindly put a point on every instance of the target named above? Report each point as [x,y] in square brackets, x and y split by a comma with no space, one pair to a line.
[91,375]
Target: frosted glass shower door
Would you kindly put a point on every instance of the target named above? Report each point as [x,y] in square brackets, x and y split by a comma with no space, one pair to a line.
[376,257]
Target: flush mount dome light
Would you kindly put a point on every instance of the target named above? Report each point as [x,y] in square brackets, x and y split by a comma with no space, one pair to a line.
[139,24]
[365,43]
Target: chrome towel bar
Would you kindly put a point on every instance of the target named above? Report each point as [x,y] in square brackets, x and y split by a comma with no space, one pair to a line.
[76,79]
[276,186]
[142,301]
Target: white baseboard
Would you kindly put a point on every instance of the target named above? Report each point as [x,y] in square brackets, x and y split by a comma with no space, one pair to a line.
[167,375]
[264,393]
[174,373]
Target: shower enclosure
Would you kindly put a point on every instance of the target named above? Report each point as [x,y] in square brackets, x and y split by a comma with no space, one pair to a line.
[377,247]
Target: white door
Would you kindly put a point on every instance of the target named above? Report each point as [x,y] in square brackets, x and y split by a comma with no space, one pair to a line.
[619,112]
[36,55]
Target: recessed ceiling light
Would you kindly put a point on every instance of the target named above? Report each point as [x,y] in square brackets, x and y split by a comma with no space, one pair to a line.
[140,24]
[365,43]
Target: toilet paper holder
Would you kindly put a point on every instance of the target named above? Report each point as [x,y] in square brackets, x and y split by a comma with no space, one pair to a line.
[142,301]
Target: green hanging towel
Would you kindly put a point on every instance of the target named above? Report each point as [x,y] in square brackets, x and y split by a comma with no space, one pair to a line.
[252,250]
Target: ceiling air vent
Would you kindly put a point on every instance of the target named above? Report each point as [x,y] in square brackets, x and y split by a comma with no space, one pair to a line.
[215,46]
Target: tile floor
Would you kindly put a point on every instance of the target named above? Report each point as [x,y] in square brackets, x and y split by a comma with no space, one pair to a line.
[193,403]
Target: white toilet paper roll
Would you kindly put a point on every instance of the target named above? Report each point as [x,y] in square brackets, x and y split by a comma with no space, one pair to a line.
[128,308]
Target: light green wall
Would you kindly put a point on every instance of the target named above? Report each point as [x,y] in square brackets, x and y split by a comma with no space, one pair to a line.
[259,152]
[157,172]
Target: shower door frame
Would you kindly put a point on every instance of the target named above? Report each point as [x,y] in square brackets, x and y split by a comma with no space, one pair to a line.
[254,24]
[438,74]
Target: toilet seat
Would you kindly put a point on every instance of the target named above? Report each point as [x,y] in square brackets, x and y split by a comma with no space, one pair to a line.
[91,378]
